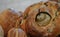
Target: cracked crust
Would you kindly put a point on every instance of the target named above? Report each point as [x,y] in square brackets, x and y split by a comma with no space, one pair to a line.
[50,30]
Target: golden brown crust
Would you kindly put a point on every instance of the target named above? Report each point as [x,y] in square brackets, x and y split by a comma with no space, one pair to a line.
[8,19]
[30,25]
[16,32]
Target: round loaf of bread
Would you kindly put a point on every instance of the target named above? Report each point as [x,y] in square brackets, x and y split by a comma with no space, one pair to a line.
[8,19]
[16,32]
[42,19]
